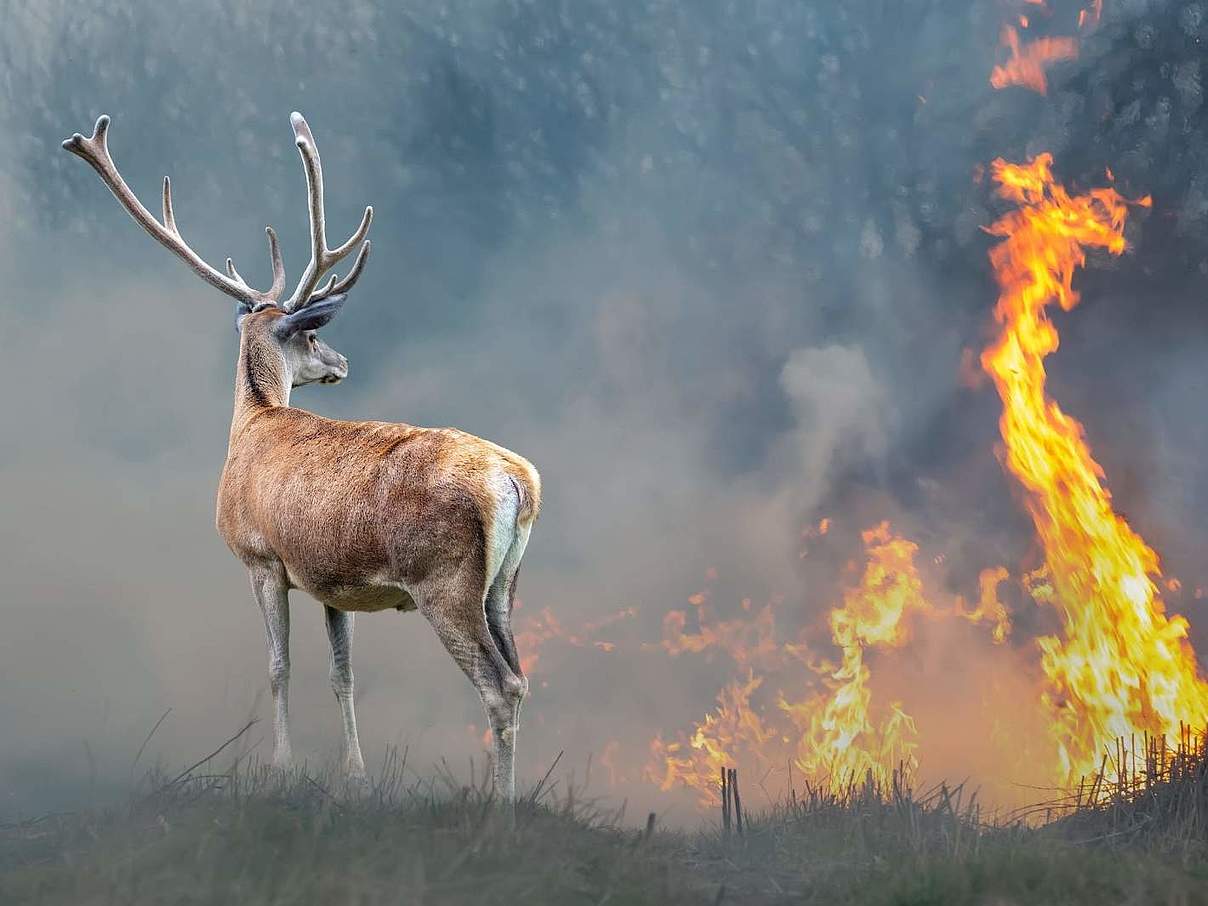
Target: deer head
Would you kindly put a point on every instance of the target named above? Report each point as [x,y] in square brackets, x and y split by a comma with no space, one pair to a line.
[289,327]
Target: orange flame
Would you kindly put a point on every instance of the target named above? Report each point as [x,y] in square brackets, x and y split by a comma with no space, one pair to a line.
[1029,59]
[1089,17]
[545,627]
[988,605]
[746,641]
[715,743]
[840,740]
[837,733]
[1122,666]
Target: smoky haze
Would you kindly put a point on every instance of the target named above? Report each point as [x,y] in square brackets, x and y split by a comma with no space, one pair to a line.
[712,267]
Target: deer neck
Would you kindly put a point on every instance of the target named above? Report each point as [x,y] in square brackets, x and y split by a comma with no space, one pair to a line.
[262,379]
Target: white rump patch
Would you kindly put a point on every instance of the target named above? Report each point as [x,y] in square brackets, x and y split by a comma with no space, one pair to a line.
[503,524]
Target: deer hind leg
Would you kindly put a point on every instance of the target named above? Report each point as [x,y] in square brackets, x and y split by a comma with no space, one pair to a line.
[272,594]
[459,619]
[498,608]
[339,633]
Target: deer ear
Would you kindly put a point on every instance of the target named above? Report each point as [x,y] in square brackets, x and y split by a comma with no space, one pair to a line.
[312,317]
[242,310]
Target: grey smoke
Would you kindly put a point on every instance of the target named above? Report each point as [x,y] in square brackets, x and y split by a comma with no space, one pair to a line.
[710,266]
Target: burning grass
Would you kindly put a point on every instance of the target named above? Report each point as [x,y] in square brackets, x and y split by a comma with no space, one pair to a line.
[249,835]
[1158,798]
[786,708]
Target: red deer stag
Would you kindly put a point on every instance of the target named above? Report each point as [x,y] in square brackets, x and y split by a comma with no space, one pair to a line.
[363,516]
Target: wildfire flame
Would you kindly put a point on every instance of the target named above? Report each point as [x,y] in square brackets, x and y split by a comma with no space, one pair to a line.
[544,627]
[1028,60]
[840,739]
[747,641]
[732,727]
[1122,666]
[1120,670]
[835,733]
[1089,17]
[988,605]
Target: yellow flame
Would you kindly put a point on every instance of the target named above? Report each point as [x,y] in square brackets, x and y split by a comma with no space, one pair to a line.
[837,733]
[732,727]
[1122,666]
[840,740]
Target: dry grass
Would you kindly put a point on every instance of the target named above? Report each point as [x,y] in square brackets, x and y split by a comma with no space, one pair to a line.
[1153,795]
[246,834]
[250,834]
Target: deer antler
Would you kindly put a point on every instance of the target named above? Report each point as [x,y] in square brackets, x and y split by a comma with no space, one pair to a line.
[322,258]
[95,151]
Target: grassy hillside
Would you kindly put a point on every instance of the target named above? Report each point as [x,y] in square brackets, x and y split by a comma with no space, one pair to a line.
[248,836]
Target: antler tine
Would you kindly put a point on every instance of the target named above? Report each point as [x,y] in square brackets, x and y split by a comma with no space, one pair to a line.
[322,258]
[334,286]
[169,217]
[95,152]
[274,253]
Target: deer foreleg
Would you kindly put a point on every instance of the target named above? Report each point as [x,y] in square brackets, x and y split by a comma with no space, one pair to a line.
[339,633]
[272,594]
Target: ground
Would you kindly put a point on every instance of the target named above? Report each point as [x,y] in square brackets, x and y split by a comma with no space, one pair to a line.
[252,837]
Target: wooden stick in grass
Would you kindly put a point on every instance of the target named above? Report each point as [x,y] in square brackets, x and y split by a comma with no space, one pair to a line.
[725,803]
[737,800]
